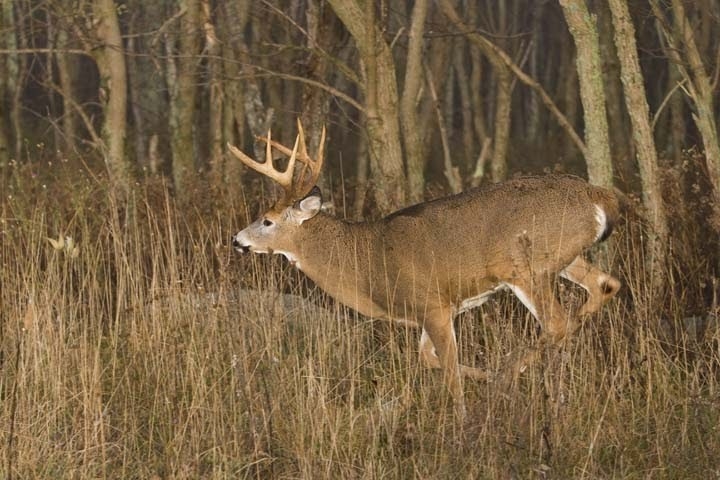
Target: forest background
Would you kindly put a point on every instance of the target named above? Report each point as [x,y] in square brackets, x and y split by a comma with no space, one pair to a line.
[134,343]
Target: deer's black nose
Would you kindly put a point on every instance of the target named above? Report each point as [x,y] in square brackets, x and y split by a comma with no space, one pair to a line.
[239,246]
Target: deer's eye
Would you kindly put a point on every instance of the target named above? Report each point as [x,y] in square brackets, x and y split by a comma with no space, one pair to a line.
[267,223]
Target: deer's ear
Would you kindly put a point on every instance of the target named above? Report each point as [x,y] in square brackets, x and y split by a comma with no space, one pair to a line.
[309,206]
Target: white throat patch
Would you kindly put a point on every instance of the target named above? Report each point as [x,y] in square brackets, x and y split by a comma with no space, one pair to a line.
[291,258]
[601,219]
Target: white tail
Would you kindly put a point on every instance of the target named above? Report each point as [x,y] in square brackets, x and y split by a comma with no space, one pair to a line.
[424,264]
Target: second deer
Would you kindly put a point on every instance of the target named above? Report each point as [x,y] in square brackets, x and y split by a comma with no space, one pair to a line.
[426,263]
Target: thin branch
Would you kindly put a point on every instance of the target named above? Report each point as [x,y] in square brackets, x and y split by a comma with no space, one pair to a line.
[665,102]
[341,66]
[347,71]
[479,31]
[97,141]
[523,58]
[484,44]
[451,172]
[30,51]
[160,31]
[482,160]
[331,90]
[547,101]
[716,75]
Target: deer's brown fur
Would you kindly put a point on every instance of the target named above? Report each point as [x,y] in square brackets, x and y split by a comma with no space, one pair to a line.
[423,264]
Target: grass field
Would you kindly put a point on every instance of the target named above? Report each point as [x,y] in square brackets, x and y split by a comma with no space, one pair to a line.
[146,348]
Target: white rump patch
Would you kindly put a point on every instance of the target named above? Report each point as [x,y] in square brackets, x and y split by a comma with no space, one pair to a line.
[601,219]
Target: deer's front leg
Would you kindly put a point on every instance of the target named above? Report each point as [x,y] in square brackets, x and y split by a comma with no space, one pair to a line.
[438,331]
[429,359]
[556,326]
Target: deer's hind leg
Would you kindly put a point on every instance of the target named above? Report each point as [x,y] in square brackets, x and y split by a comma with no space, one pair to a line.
[600,286]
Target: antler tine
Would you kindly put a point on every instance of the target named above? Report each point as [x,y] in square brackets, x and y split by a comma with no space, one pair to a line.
[283,178]
[317,163]
[306,160]
[321,153]
[304,185]
[299,152]
[303,145]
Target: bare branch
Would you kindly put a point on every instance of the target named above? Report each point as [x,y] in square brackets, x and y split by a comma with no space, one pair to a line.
[486,44]
[32,51]
[451,172]
[287,76]
[665,102]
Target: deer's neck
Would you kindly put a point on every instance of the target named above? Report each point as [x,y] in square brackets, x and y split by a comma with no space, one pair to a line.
[339,257]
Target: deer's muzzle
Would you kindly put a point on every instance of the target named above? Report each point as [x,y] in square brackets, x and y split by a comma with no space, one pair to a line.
[240,247]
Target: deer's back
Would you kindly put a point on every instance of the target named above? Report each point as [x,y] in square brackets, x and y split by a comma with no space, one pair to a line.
[482,236]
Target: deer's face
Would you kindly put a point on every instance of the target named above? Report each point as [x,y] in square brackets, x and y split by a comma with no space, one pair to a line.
[276,230]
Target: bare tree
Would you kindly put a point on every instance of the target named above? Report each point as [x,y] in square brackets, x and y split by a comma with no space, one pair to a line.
[637,107]
[232,22]
[618,125]
[14,39]
[183,46]
[584,31]
[148,102]
[381,103]
[412,137]
[66,66]
[110,59]
[321,23]
[7,63]
[697,85]
[216,93]
[503,92]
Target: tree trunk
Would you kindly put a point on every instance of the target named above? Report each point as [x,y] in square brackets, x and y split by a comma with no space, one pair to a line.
[315,106]
[478,106]
[110,59]
[149,104]
[412,137]
[15,65]
[182,85]
[7,40]
[568,83]
[533,116]
[438,60]
[232,26]
[66,69]
[637,107]
[620,147]
[361,175]
[699,89]
[501,137]
[381,103]
[677,125]
[465,104]
[503,93]
[582,27]
[216,96]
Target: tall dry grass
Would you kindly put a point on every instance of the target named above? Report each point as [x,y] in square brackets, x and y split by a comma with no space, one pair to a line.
[153,351]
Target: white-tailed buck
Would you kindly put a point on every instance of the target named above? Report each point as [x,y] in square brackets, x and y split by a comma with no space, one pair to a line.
[425,263]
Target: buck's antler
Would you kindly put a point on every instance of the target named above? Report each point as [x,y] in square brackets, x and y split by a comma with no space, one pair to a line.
[292,190]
